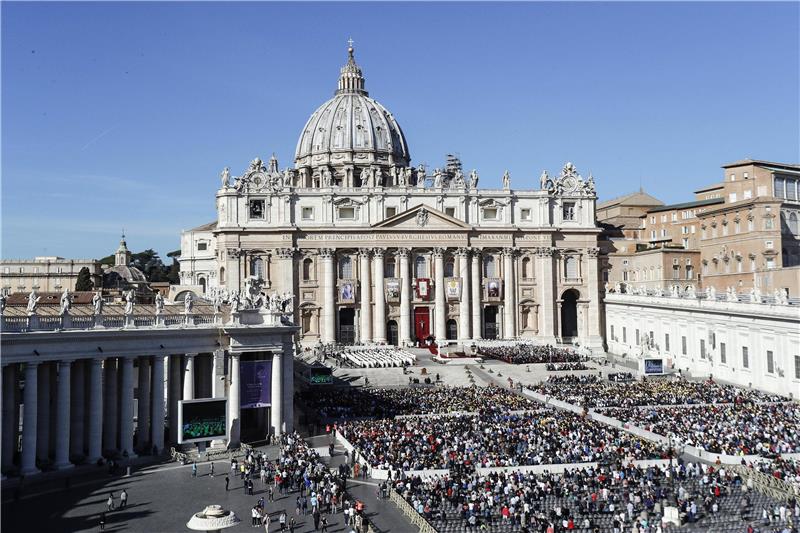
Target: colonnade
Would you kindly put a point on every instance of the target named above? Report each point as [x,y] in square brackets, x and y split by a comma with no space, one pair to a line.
[82,409]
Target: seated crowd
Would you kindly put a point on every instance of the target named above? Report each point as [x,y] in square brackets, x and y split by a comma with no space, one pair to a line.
[763,429]
[341,404]
[562,367]
[521,354]
[608,498]
[373,357]
[595,393]
[787,470]
[493,437]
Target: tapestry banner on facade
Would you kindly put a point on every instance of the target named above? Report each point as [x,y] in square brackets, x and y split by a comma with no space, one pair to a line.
[392,286]
[452,288]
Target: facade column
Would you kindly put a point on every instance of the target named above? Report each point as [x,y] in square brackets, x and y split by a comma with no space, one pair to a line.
[157,404]
[234,401]
[9,432]
[477,329]
[276,401]
[30,400]
[110,404]
[546,281]
[143,409]
[63,409]
[95,445]
[379,324]
[218,374]
[126,408]
[329,296]
[440,320]
[509,287]
[593,274]
[464,330]
[77,408]
[286,261]
[405,297]
[364,296]
[43,412]
[188,376]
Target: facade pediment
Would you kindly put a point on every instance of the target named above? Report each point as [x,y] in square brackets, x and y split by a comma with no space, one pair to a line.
[422,216]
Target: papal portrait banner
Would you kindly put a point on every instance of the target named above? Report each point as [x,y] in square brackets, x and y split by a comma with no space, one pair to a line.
[256,384]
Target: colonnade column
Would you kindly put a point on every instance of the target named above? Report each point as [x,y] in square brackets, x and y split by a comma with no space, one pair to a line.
[95,445]
[9,432]
[30,400]
[77,408]
[188,376]
[276,401]
[143,409]
[63,409]
[126,408]
[329,296]
[546,281]
[43,411]
[173,395]
[405,297]
[464,329]
[509,307]
[110,407]
[234,401]
[365,296]
[477,328]
[440,325]
[157,405]
[287,370]
[380,301]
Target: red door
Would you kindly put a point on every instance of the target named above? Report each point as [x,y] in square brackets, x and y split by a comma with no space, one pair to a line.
[422,325]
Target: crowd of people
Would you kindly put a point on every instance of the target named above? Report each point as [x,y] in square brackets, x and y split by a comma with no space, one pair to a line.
[765,429]
[787,470]
[491,438]
[523,354]
[596,393]
[562,367]
[342,404]
[608,498]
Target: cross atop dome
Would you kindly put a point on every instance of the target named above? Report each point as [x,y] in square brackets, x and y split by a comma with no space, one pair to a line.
[351,80]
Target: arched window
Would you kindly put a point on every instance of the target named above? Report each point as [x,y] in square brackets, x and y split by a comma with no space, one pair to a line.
[257,267]
[449,268]
[222,275]
[203,284]
[526,268]
[345,267]
[489,267]
[307,269]
[420,267]
[793,227]
[571,267]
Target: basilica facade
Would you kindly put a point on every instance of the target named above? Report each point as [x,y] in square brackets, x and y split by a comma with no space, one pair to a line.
[376,250]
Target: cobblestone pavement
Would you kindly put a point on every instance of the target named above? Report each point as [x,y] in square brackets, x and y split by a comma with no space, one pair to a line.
[162,499]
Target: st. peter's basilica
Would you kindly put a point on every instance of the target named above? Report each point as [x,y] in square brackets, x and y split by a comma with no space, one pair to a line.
[376,250]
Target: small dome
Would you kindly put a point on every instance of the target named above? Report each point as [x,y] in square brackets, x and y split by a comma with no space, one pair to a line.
[351,128]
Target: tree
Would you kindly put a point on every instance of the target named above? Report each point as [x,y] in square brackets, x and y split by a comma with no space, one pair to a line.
[84,281]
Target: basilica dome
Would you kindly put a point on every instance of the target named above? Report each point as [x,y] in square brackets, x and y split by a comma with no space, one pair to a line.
[351,129]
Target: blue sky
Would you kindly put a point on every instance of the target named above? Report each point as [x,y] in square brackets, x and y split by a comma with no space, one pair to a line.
[123,114]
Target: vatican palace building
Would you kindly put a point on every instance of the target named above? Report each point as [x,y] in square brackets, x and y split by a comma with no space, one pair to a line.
[376,249]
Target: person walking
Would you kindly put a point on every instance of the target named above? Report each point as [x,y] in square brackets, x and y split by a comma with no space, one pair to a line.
[194,469]
[227,482]
[212,469]
[282,520]
[102,521]
[123,499]
[316,517]
[292,525]
[110,502]
[324,524]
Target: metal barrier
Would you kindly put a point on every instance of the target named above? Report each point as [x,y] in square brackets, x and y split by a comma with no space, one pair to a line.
[766,484]
[413,516]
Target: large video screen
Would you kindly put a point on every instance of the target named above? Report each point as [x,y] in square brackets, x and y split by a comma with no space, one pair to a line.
[203,420]
[653,366]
